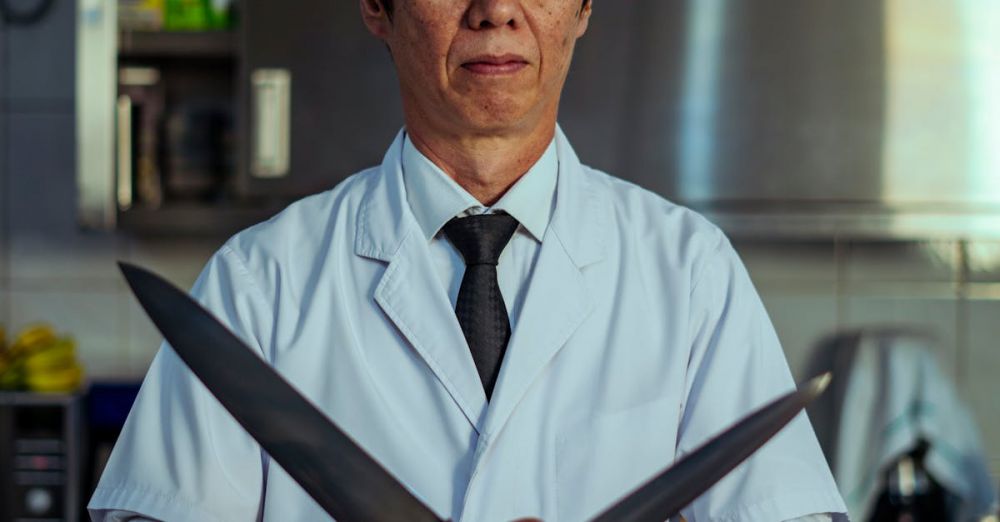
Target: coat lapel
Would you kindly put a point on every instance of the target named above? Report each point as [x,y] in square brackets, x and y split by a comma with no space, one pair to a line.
[409,292]
[558,299]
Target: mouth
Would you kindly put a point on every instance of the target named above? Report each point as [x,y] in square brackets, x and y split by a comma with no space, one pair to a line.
[495,65]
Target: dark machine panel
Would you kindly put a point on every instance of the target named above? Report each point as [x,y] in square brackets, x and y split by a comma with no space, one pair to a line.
[39,457]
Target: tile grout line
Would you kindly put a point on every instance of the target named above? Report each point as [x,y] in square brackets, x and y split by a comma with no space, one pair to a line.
[962,311]
[4,185]
[839,283]
[123,250]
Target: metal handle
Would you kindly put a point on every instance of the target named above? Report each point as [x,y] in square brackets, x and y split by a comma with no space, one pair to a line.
[271,122]
[96,67]
[124,154]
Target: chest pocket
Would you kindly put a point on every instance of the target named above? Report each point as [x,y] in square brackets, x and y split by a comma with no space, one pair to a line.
[600,459]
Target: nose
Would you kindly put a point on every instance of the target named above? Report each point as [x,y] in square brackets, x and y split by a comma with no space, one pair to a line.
[489,14]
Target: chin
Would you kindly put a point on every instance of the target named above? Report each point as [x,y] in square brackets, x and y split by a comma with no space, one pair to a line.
[492,114]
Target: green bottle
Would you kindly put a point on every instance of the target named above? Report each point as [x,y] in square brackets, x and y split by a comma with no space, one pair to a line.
[219,13]
[186,15]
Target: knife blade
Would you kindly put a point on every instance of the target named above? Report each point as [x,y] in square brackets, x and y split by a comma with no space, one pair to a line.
[666,494]
[331,467]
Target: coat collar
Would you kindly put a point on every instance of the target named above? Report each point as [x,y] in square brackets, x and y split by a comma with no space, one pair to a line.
[582,214]
[384,217]
[435,198]
[381,226]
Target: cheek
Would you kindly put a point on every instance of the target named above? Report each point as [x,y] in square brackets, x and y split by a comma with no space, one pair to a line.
[434,27]
[559,43]
[557,33]
[425,51]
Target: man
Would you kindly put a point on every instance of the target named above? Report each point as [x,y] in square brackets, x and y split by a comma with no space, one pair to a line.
[510,333]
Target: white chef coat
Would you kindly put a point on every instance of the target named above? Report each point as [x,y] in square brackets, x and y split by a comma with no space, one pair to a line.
[640,337]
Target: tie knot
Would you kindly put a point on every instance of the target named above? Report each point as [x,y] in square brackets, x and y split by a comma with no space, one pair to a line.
[480,239]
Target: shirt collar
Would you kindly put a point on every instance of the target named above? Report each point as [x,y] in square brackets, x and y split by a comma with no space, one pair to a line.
[435,198]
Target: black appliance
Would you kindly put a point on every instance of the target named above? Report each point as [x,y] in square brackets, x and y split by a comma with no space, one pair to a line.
[40,447]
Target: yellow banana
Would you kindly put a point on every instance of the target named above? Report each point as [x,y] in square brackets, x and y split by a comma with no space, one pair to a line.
[40,361]
[12,379]
[32,338]
[64,380]
[60,354]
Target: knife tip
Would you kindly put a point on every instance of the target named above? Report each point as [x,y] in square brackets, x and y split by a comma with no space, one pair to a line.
[818,385]
[132,273]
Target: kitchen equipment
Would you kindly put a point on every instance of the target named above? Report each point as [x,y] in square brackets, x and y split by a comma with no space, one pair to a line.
[828,118]
[198,148]
[40,447]
[141,105]
[899,439]
[782,119]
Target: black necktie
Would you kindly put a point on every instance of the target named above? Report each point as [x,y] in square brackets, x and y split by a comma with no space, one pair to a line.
[480,308]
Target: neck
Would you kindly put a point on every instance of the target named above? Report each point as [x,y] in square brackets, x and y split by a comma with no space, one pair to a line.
[485,166]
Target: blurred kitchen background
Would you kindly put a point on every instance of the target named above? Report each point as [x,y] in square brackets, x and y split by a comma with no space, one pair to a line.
[850,148]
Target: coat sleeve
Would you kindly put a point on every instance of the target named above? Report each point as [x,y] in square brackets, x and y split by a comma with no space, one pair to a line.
[181,456]
[737,365]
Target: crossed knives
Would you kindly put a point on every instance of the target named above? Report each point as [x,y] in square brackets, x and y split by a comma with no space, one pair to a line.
[351,485]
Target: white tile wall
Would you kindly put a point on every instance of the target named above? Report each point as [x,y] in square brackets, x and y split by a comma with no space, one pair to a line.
[984,261]
[116,339]
[64,261]
[46,248]
[93,318]
[143,339]
[178,261]
[902,262]
[797,283]
[936,316]
[801,320]
[790,265]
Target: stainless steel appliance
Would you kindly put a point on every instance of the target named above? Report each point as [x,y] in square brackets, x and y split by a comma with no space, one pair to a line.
[850,118]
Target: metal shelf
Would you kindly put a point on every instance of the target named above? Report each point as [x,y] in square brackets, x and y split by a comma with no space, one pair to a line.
[858,222]
[195,219]
[177,44]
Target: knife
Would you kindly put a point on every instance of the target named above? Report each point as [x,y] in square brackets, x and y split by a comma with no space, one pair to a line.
[351,485]
[333,469]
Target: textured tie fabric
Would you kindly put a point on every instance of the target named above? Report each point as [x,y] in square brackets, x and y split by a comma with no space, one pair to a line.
[480,308]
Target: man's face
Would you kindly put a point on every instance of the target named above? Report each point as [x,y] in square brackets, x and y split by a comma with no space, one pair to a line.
[481,66]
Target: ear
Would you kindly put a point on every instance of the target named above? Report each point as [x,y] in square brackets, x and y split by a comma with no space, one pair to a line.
[584,18]
[376,18]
